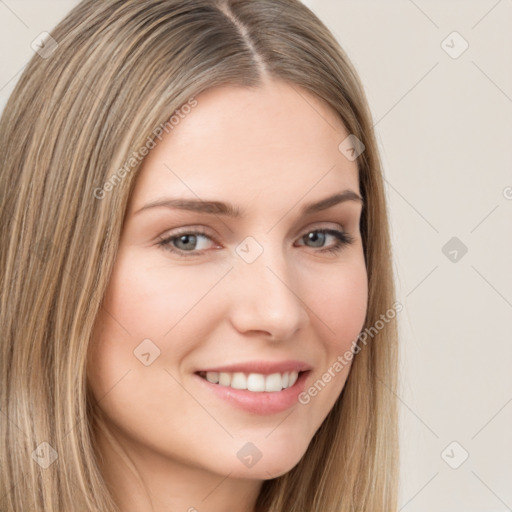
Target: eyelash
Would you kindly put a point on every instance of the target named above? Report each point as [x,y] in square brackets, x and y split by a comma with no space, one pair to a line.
[343,239]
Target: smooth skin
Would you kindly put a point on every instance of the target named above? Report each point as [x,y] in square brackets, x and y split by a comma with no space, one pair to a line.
[269,151]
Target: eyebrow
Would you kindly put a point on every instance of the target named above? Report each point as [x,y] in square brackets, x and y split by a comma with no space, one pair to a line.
[229,210]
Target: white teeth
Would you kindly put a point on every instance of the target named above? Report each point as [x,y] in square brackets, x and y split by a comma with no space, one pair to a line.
[239,381]
[224,378]
[256,382]
[212,377]
[274,382]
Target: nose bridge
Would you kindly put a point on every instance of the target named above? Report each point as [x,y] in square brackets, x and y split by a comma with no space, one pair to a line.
[267,298]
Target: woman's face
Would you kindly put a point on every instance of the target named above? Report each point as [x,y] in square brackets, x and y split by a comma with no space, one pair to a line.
[260,300]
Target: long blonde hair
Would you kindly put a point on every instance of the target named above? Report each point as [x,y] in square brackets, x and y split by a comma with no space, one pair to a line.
[118,70]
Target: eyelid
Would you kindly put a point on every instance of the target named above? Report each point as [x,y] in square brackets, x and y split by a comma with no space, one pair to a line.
[185,230]
[207,232]
[342,236]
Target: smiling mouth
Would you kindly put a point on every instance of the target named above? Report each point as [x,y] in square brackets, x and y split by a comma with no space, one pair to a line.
[255,382]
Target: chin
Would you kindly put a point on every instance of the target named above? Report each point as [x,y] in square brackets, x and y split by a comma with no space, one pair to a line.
[270,462]
[261,470]
[279,467]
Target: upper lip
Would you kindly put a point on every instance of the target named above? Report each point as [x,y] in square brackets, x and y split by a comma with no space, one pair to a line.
[264,367]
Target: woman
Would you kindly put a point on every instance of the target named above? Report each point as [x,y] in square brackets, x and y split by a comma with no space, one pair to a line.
[254,372]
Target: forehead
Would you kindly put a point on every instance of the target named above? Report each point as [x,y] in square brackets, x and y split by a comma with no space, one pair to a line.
[277,143]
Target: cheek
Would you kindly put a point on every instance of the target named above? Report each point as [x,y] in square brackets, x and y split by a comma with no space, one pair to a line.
[341,306]
[149,301]
[155,302]
[339,313]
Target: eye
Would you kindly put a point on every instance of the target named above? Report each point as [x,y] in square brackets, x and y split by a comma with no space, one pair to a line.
[341,239]
[188,241]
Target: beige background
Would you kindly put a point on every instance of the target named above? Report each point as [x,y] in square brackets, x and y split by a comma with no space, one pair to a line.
[444,126]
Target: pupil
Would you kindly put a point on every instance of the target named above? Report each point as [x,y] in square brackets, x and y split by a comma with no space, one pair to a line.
[315,235]
[183,238]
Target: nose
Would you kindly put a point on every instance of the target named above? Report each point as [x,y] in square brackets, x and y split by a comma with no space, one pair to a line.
[266,296]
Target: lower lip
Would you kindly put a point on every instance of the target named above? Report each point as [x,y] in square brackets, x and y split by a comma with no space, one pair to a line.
[265,402]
